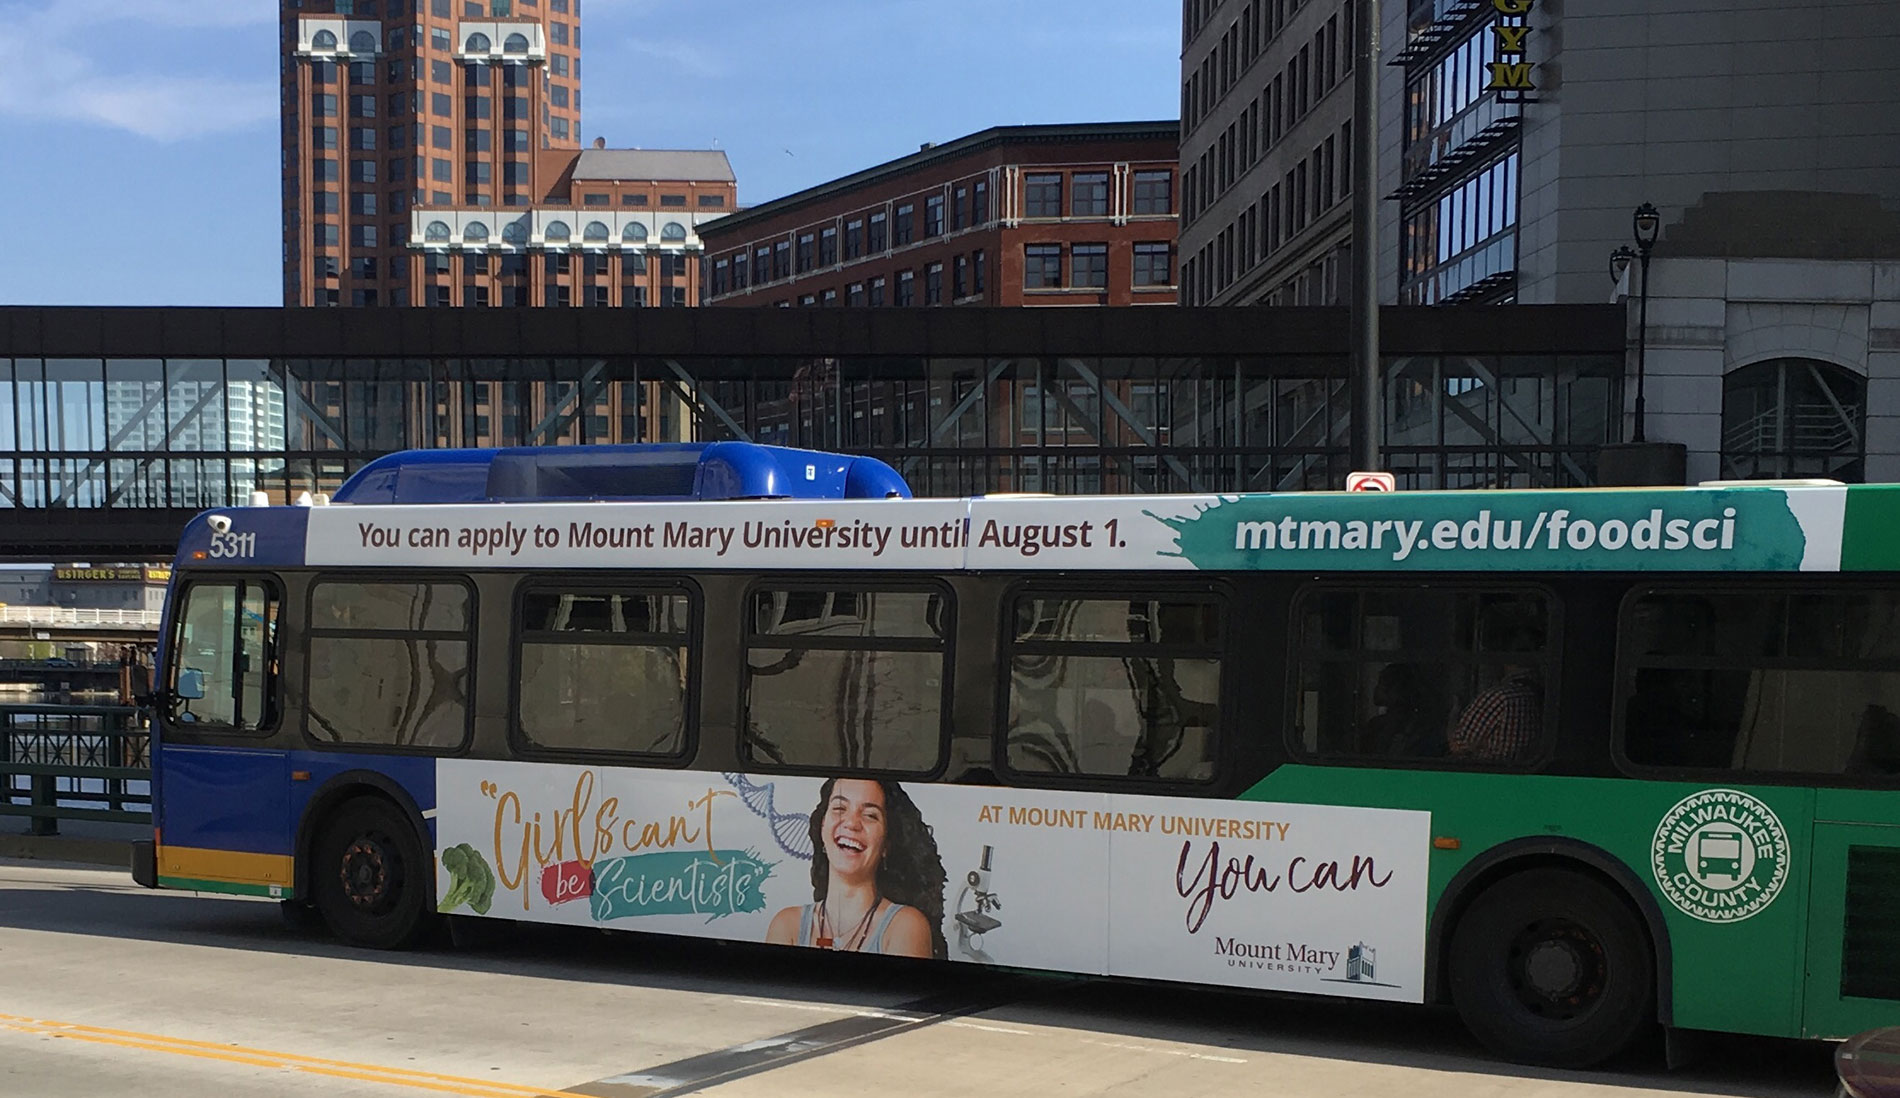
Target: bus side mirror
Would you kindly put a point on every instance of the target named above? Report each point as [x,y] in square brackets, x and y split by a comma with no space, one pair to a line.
[191,684]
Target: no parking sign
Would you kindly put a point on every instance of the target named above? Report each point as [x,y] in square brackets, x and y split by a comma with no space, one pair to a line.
[1371,482]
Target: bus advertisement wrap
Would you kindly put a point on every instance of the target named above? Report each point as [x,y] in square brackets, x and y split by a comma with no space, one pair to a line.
[1729,529]
[1291,897]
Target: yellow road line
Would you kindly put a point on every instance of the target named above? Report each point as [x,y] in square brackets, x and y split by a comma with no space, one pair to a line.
[265,1058]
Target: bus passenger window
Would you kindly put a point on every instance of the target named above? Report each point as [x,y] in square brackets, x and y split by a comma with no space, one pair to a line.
[605,670]
[1422,674]
[1115,687]
[389,664]
[228,637]
[847,678]
[1763,682]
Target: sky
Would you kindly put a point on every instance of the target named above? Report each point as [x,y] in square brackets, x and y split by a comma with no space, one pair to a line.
[139,138]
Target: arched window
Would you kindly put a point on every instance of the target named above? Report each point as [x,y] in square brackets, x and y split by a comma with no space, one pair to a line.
[515,232]
[595,231]
[362,42]
[475,232]
[479,43]
[673,231]
[323,40]
[515,43]
[557,231]
[1794,417]
[635,233]
[437,232]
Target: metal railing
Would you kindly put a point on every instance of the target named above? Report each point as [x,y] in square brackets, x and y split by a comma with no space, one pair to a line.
[75,762]
[55,616]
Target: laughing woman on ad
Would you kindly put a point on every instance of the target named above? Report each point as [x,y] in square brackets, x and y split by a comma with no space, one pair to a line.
[876,878]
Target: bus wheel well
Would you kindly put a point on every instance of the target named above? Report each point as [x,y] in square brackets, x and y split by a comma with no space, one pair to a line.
[1572,856]
[333,795]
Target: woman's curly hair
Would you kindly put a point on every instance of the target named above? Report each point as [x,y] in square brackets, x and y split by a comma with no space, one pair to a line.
[910,872]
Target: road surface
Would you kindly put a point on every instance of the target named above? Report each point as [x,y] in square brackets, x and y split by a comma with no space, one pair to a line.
[106,988]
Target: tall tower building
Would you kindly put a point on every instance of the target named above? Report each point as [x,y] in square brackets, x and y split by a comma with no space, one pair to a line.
[431,156]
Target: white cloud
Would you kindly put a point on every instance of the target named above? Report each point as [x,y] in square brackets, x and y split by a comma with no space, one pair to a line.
[49,76]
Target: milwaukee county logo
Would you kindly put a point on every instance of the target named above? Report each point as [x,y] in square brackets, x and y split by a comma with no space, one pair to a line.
[1720,856]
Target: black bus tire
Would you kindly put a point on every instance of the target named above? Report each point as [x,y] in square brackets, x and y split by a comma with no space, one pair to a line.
[371,877]
[1552,967]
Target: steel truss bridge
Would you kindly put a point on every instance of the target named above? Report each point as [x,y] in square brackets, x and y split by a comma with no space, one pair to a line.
[116,425]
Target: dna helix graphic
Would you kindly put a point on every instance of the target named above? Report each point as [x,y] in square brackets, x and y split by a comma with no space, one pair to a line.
[791,830]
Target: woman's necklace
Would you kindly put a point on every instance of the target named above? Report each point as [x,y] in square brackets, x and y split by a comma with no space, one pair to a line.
[824,940]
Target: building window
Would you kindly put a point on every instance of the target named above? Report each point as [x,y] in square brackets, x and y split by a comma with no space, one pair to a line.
[363,171]
[847,678]
[1794,417]
[1154,264]
[323,105]
[854,239]
[906,289]
[475,232]
[876,295]
[633,200]
[959,277]
[976,271]
[323,137]
[478,43]
[441,137]
[1089,265]
[362,106]
[1154,192]
[1042,195]
[325,202]
[828,247]
[477,141]
[807,251]
[960,208]
[673,200]
[979,203]
[362,203]
[876,241]
[712,201]
[1088,194]
[672,232]
[1042,266]
[1126,687]
[854,294]
[557,232]
[478,172]
[828,298]
[933,284]
[762,265]
[933,215]
[782,259]
[362,137]
[901,231]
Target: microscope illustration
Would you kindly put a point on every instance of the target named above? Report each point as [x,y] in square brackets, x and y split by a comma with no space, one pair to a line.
[974,922]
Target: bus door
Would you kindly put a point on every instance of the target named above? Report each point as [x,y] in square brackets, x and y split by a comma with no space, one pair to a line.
[222,812]
[1853,972]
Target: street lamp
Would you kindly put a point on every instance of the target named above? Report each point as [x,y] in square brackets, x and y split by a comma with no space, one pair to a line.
[1646,225]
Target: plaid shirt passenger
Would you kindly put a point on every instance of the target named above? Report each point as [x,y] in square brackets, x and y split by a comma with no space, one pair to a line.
[1500,723]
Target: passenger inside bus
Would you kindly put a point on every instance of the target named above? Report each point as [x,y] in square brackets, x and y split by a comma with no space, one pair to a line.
[1410,723]
[1503,721]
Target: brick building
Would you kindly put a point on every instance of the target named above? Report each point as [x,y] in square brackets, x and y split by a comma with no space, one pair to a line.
[1013,215]
[432,156]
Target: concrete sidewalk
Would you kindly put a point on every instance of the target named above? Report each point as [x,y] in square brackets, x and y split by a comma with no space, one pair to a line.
[80,842]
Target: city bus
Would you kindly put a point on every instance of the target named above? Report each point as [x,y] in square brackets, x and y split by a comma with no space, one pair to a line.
[1576,762]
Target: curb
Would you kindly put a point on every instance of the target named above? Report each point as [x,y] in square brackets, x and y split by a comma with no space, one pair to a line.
[57,848]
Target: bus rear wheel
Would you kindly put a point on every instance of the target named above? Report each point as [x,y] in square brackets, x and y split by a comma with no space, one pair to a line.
[370,875]
[1551,967]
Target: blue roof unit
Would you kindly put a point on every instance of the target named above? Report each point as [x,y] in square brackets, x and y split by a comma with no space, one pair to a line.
[657,471]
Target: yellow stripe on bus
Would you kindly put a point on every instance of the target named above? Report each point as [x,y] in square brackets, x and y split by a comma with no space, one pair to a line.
[225,865]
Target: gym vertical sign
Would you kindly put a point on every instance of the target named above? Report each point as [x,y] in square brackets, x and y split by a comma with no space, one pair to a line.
[1510,73]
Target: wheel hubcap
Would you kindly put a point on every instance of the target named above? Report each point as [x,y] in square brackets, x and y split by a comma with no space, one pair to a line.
[1557,968]
[367,872]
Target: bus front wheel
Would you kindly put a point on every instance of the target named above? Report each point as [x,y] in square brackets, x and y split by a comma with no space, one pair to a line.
[370,875]
[1551,967]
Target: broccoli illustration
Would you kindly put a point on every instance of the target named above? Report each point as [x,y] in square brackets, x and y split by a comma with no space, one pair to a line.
[471,881]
